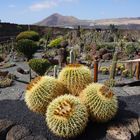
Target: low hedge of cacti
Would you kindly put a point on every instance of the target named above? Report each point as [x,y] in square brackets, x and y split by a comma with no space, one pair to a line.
[39,65]
[68,102]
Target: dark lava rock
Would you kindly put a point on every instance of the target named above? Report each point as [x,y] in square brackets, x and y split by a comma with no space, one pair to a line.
[20,70]
[5,126]
[102,51]
[17,133]
[118,133]
[34,138]
[1,59]
[3,73]
[107,56]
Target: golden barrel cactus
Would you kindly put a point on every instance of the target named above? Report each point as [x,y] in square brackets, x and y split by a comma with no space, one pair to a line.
[41,91]
[75,77]
[66,116]
[101,102]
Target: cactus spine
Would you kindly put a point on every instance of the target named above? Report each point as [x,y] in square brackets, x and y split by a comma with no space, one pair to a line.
[100,101]
[41,91]
[75,77]
[66,116]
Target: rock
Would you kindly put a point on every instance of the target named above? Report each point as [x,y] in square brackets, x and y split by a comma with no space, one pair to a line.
[118,133]
[102,51]
[1,59]
[17,133]
[133,126]
[20,70]
[107,56]
[34,138]
[3,73]
[5,126]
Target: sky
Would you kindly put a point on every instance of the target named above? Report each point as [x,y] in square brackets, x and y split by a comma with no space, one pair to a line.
[32,11]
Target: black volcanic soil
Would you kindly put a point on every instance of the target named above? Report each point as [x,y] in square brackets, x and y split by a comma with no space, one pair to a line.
[18,112]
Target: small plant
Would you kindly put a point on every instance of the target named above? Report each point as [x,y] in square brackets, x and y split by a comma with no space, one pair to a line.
[56,42]
[31,35]
[41,91]
[26,47]
[100,101]
[75,77]
[110,83]
[104,70]
[66,116]
[125,73]
[5,82]
[39,65]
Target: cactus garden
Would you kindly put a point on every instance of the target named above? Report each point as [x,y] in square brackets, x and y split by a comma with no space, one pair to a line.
[70,83]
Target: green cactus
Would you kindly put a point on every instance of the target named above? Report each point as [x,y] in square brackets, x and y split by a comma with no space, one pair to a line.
[41,91]
[75,77]
[100,101]
[114,64]
[66,116]
[39,65]
[5,82]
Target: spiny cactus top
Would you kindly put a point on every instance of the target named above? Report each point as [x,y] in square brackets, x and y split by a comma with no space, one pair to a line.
[66,116]
[41,91]
[100,101]
[76,77]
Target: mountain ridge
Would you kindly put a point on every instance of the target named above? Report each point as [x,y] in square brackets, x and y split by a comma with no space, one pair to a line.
[57,19]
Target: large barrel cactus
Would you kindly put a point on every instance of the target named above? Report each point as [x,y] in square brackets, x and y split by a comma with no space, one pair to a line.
[75,77]
[66,116]
[41,91]
[100,101]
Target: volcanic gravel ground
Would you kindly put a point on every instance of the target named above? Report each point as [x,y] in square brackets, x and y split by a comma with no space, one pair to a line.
[18,112]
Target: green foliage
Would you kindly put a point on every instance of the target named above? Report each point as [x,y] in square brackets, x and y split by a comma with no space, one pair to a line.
[130,48]
[32,35]
[66,116]
[26,47]
[56,42]
[39,65]
[101,102]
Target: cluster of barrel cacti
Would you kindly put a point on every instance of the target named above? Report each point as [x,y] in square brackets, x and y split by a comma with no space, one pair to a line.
[72,98]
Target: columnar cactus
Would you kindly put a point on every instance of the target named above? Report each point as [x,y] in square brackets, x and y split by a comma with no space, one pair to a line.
[41,91]
[100,101]
[66,116]
[114,64]
[75,77]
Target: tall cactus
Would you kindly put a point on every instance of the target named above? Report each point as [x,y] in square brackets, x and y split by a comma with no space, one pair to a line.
[71,56]
[114,64]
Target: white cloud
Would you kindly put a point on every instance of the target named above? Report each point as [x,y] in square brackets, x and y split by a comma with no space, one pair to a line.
[47,4]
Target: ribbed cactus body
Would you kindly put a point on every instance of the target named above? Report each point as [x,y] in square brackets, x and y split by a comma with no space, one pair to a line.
[66,116]
[75,77]
[100,101]
[41,91]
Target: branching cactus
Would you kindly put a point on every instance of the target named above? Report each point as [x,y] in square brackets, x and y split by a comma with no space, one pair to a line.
[66,116]
[101,102]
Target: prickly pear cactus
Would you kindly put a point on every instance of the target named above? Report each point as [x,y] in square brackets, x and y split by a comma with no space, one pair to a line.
[100,101]
[66,116]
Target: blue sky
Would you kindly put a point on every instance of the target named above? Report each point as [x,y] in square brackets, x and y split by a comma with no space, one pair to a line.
[31,11]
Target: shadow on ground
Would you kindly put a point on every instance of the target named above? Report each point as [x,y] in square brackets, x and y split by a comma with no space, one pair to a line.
[129,107]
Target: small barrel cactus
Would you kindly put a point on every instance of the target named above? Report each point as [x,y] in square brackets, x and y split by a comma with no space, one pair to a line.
[100,101]
[41,91]
[39,65]
[75,77]
[66,116]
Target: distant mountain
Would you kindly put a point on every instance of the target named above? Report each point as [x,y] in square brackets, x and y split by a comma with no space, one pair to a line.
[62,21]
